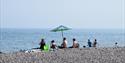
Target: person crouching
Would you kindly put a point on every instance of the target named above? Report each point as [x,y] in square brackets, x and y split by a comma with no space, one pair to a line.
[53,45]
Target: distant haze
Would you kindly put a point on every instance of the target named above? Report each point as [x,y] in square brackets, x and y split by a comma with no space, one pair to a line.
[89,14]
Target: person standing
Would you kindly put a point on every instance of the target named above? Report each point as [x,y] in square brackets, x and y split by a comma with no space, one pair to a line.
[89,43]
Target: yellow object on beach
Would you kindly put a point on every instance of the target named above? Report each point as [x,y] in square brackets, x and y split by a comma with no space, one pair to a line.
[46,48]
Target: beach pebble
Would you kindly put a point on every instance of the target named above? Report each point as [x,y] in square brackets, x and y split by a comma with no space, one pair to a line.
[74,55]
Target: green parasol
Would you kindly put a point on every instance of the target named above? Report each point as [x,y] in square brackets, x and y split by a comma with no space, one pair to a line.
[60,28]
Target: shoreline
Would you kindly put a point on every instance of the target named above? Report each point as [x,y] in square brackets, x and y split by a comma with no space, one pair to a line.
[22,50]
[68,55]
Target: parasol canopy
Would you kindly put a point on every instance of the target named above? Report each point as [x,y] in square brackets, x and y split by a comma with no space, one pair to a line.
[60,28]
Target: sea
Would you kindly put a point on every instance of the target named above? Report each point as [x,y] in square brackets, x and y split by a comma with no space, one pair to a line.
[12,40]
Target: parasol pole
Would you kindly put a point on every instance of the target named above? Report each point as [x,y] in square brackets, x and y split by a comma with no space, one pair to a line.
[62,33]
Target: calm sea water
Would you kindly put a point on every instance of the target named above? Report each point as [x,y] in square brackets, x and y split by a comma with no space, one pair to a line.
[17,39]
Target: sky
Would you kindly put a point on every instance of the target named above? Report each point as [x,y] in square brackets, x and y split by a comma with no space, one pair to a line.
[86,14]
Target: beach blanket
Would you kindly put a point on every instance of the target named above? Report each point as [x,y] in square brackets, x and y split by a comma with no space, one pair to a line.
[33,51]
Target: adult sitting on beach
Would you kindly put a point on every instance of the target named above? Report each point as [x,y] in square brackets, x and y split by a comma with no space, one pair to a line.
[42,44]
[89,43]
[64,44]
[75,44]
[53,45]
[95,43]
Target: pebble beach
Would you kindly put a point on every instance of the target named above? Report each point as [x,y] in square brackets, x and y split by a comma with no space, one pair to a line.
[74,55]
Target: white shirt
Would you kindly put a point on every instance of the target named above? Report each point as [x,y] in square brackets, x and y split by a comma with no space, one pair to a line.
[75,42]
[65,41]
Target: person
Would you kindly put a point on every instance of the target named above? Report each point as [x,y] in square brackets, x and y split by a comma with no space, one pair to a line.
[95,43]
[64,44]
[0,52]
[53,45]
[42,44]
[89,43]
[75,44]
[116,44]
